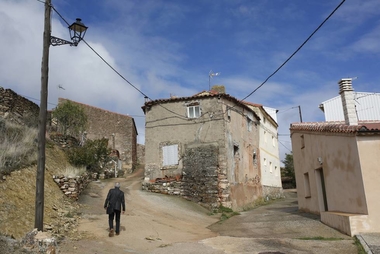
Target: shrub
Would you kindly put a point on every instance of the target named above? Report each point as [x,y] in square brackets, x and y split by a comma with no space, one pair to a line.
[94,155]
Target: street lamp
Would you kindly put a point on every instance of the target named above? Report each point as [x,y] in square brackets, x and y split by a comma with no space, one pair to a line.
[77,32]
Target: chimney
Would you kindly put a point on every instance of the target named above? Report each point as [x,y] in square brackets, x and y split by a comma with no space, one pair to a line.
[218,89]
[347,95]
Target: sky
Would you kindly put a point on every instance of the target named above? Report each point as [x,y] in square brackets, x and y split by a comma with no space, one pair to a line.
[169,47]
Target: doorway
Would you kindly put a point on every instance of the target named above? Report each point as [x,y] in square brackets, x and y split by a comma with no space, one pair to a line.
[321,190]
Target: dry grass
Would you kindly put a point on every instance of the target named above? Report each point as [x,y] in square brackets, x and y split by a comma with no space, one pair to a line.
[71,171]
[18,192]
[18,146]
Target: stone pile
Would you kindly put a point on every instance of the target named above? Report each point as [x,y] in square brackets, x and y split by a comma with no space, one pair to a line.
[72,186]
[40,242]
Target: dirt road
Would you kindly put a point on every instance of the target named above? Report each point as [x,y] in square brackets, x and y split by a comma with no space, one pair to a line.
[151,221]
[162,224]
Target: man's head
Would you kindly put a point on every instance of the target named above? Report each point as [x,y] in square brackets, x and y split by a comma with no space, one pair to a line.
[117,185]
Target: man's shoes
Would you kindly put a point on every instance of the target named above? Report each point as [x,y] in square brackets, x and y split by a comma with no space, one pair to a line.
[117,233]
[111,232]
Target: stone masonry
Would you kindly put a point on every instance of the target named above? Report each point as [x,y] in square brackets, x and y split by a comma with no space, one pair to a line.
[119,129]
[17,108]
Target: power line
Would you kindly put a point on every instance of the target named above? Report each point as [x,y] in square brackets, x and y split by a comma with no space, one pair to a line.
[117,72]
[284,146]
[295,52]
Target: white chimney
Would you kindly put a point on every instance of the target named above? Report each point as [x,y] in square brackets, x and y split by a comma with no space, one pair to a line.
[347,95]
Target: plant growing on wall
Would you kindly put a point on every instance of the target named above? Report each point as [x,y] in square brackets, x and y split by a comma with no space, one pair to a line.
[71,118]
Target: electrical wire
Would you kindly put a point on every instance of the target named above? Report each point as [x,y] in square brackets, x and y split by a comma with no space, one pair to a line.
[295,52]
[284,146]
[264,82]
[117,72]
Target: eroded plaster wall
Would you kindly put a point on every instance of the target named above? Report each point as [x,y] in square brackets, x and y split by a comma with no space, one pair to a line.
[165,128]
[243,171]
[232,169]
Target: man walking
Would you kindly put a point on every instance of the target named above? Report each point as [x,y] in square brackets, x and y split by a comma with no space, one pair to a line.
[114,202]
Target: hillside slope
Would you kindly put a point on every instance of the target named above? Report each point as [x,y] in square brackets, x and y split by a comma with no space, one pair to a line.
[17,199]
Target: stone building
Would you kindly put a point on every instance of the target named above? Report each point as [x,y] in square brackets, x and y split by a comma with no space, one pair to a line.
[204,148]
[18,109]
[119,129]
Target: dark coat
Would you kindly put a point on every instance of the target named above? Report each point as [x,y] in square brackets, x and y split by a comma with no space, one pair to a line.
[115,200]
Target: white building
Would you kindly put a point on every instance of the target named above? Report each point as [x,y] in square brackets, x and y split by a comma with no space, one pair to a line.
[367,106]
[268,145]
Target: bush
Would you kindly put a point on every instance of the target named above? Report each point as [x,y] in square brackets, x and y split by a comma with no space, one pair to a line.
[18,146]
[94,155]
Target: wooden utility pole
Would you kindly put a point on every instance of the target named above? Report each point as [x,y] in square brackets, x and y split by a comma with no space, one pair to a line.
[300,113]
[40,179]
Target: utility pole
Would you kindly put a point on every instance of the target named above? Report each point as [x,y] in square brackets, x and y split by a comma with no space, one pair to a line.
[40,179]
[299,111]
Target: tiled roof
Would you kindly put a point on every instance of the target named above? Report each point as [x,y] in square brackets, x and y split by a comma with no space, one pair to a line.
[337,127]
[201,95]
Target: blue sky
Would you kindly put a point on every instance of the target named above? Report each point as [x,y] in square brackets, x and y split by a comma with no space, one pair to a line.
[169,47]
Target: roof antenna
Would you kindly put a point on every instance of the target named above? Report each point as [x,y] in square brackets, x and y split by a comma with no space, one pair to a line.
[210,75]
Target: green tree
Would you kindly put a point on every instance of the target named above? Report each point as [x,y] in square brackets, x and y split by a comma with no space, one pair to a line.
[71,118]
[288,170]
[94,155]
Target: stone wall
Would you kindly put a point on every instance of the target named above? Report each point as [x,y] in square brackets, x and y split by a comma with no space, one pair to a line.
[200,175]
[119,129]
[17,108]
[200,180]
[72,186]
[140,154]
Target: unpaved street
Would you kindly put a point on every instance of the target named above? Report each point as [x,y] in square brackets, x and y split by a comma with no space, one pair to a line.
[156,223]
[151,221]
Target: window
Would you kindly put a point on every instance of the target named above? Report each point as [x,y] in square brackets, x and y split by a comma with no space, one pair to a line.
[273,141]
[249,124]
[265,164]
[193,111]
[249,121]
[270,167]
[302,142]
[170,155]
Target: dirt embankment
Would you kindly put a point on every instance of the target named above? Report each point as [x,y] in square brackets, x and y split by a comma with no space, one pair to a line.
[17,200]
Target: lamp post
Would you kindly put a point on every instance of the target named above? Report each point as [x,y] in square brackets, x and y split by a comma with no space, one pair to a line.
[77,32]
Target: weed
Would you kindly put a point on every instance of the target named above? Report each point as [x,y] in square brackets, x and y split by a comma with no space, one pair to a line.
[226,212]
[359,246]
[73,171]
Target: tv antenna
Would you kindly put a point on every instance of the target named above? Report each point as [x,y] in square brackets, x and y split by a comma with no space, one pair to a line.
[210,75]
